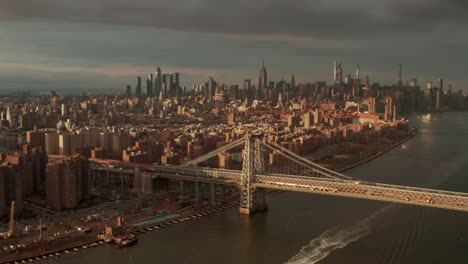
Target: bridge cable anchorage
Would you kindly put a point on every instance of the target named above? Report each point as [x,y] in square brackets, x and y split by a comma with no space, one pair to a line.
[215,152]
[322,170]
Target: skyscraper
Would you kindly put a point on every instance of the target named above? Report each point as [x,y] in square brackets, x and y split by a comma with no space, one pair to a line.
[169,85]
[334,71]
[211,87]
[262,82]
[293,82]
[138,88]
[129,91]
[149,86]
[157,82]
[337,73]
[176,87]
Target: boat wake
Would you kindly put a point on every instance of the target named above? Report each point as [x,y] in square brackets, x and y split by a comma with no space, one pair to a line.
[335,238]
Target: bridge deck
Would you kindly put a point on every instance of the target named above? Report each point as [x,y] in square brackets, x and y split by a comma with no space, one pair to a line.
[336,187]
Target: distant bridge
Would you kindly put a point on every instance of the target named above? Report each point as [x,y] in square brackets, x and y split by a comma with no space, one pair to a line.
[295,174]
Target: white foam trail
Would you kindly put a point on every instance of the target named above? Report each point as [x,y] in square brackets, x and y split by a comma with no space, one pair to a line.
[332,239]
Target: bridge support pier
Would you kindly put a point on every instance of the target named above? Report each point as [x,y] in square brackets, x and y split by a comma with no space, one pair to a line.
[182,191]
[197,192]
[213,194]
[258,202]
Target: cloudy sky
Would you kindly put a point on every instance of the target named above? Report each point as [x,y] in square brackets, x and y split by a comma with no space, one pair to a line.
[105,44]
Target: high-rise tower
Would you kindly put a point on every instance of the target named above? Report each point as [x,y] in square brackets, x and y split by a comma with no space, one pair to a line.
[149,85]
[176,85]
[262,82]
[293,82]
[168,83]
[211,87]
[138,88]
[337,73]
[157,82]
[129,91]
[357,72]
[334,71]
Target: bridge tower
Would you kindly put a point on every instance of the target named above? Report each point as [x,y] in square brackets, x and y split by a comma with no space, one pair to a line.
[252,199]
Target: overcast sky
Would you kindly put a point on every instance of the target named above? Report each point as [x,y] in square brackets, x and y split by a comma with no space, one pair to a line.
[91,44]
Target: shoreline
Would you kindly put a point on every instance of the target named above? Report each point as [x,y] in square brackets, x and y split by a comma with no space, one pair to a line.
[412,134]
[91,243]
[94,242]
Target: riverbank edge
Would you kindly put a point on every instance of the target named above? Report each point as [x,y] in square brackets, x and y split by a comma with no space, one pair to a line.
[91,243]
[413,133]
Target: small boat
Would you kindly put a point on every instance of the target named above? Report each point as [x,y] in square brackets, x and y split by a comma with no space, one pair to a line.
[127,241]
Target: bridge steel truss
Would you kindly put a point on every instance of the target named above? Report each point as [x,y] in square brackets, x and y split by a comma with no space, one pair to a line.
[366,190]
[252,199]
[253,179]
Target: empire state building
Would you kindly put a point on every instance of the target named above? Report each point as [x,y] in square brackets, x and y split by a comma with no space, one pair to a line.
[262,83]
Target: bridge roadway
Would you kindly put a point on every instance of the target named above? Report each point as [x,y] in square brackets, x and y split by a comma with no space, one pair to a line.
[336,187]
[366,190]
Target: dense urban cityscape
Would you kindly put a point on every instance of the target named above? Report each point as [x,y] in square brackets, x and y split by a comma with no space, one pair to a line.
[217,131]
[71,165]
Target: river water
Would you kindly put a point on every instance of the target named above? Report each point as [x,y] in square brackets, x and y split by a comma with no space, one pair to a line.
[309,228]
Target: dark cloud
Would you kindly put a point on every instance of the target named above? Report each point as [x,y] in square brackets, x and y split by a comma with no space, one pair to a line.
[319,18]
[60,43]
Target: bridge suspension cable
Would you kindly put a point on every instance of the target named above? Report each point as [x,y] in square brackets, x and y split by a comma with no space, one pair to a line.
[213,153]
[305,162]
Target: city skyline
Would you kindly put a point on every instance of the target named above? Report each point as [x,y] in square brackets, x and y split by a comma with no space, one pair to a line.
[64,46]
[302,131]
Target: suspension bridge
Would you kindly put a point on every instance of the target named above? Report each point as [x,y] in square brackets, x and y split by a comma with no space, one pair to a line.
[265,164]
